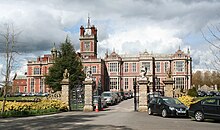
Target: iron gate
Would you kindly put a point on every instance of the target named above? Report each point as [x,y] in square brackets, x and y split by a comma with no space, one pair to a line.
[136,95]
[77,100]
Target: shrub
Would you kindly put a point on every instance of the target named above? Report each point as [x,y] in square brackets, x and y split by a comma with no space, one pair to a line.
[192,92]
[33,108]
[187,100]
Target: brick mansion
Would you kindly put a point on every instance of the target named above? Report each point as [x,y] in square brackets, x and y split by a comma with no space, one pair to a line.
[116,72]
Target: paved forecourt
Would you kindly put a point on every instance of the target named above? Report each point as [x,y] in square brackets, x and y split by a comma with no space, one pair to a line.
[119,116]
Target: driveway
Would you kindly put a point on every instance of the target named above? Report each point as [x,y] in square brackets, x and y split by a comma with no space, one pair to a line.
[121,117]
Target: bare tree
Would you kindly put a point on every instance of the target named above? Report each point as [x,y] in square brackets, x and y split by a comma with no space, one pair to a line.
[8,42]
[213,38]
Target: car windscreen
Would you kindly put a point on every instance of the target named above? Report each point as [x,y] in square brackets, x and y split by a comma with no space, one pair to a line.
[172,101]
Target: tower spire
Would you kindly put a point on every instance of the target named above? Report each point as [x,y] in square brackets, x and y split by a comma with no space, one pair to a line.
[88,24]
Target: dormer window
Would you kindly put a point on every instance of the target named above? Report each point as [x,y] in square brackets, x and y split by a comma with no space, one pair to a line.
[179,55]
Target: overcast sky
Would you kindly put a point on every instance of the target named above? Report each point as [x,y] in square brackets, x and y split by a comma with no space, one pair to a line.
[129,26]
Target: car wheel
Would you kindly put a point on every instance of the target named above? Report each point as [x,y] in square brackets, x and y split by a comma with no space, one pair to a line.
[164,113]
[199,116]
[149,111]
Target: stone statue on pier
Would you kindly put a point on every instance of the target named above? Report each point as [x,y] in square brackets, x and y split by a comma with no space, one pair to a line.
[169,73]
[143,72]
[66,74]
[89,73]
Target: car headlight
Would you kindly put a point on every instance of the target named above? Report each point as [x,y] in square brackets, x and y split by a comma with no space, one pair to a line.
[171,108]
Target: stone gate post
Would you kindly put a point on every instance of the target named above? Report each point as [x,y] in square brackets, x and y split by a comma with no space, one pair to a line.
[65,92]
[142,95]
[143,82]
[88,107]
[168,89]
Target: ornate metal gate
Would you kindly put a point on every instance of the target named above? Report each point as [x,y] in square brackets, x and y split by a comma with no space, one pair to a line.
[136,95]
[77,100]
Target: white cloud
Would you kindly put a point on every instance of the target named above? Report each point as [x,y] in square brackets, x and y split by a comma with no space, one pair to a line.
[129,27]
[151,38]
[1,76]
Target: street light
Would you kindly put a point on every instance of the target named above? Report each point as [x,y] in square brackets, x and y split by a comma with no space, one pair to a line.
[99,88]
[135,92]
[158,84]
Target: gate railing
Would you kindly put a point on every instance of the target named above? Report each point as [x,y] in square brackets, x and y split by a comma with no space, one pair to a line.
[77,100]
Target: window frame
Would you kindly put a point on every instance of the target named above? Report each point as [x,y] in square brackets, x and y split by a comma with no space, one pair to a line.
[94,69]
[148,65]
[126,83]
[126,67]
[158,67]
[179,67]
[36,71]
[134,67]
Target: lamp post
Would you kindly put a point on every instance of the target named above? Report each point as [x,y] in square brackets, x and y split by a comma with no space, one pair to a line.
[135,92]
[158,84]
[99,88]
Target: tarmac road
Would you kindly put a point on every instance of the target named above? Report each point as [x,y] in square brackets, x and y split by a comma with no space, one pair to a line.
[118,117]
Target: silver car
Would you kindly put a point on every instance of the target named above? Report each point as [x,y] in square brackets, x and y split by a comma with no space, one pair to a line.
[109,97]
[100,101]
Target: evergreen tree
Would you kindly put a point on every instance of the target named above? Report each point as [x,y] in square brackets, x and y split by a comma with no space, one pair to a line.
[192,92]
[67,59]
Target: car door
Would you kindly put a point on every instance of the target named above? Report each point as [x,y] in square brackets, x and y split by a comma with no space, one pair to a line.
[153,105]
[210,107]
[218,109]
[158,105]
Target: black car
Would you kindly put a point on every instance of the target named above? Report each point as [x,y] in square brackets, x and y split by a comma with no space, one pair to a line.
[208,108]
[152,95]
[201,93]
[210,93]
[167,106]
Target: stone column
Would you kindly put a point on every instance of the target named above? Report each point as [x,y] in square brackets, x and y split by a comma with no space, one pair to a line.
[168,89]
[88,107]
[142,94]
[65,93]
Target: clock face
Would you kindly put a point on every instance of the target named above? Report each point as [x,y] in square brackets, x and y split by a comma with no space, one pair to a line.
[87,32]
[87,46]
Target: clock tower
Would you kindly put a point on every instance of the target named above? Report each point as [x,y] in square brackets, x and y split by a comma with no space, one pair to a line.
[88,41]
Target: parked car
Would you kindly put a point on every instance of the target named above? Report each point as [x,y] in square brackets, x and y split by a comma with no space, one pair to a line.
[217,94]
[210,93]
[208,108]
[122,95]
[24,94]
[118,97]
[100,101]
[167,106]
[109,97]
[153,94]
[130,94]
[17,94]
[126,94]
[201,93]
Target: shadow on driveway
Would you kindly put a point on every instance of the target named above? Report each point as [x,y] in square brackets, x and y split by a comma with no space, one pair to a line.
[70,120]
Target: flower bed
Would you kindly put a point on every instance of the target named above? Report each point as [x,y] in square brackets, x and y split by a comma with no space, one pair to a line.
[187,100]
[33,108]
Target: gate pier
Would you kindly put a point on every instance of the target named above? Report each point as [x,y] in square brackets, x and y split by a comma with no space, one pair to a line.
[88,107]
[65,93]
[143,82]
